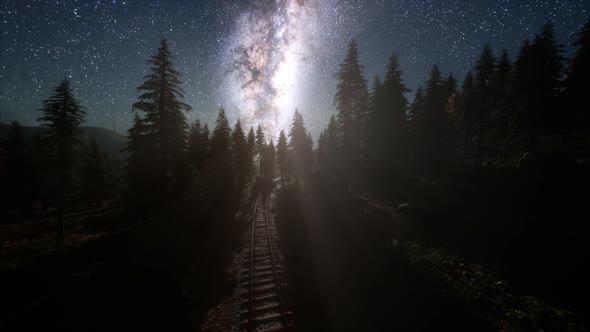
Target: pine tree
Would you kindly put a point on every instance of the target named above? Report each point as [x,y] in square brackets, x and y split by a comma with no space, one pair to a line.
[282,154]
[376,102]
[450,85]
[329,152]
[416,113]
[251,142]
[308,157]
[92,173]
[500,105]
[164,117]
[194,153]
[485,69]
[466,108]
[242,154]
[352,101]
[198,151]
[260,146]
[502,78]
[62,114]
[269,161]
[299,145]
[536,87]
[222,166]
[434,119]
[388,116]
[549,65]
[140,166]
[576,83]
[394,89]
[521,92]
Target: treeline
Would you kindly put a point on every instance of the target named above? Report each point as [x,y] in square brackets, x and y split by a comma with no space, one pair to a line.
[166,157]
[55,166]
[169,158]
[503,107]
[30,175]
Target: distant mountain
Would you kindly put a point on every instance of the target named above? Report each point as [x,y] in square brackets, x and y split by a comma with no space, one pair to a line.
[108,140]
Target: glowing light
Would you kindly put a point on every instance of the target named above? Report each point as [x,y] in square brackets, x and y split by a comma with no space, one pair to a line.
[267,57]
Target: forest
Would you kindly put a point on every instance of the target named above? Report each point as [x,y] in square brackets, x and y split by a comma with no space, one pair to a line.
[464,200]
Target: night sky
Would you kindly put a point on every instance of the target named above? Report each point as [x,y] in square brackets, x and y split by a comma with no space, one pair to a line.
[259,59]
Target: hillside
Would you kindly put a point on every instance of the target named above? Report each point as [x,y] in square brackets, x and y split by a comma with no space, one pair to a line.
[108,140]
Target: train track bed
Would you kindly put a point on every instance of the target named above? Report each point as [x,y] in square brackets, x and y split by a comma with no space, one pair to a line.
[260,303]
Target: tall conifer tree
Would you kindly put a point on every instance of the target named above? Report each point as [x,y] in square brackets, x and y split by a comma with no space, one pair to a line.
[164,117]
[62,114]
[222,162]
[577,83]
[243,160]
[282,154]
[260,146]
[352,101]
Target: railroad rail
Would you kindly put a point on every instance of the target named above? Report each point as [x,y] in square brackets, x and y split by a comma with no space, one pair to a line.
[263,304]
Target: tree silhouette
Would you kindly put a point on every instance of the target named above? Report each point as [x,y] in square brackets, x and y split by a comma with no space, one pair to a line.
[416,113]
[299,143]
[502,78]
[434,120]
[251,142]
[576,83]
[282,154]
[521,93]
[92,171]
[485,69]
[327,146]
[198,151]
[242,155]
[536,86]
[164,117]
[260,146]
[221,157]
[466,107]
[269,161]
[62,114]
[140,165]
[450,85]
[351,100]
[388,116]
[548,63]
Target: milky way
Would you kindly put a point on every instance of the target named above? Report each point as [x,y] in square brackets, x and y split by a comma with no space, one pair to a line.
[267,57]
[259,59]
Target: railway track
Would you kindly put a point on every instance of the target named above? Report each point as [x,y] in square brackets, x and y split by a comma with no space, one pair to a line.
[262,277]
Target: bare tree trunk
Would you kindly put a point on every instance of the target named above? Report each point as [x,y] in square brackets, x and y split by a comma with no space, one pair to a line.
[60,216]
[61,193]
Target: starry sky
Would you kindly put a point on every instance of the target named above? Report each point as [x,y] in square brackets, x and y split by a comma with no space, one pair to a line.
[259,59]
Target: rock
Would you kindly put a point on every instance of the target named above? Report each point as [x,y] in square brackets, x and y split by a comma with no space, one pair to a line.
[403,208]
[394,242]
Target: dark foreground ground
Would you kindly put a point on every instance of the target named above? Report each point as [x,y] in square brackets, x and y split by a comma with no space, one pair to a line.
[528,225]
[161,274]
[166,271]
[345,275]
